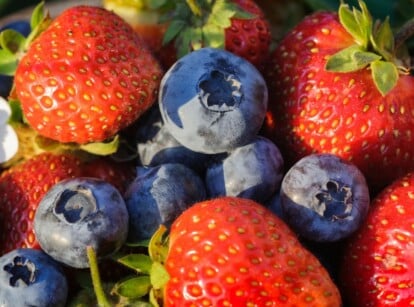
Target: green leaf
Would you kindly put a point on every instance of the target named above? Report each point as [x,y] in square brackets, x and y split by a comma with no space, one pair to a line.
[183,43]
[196,41]
[133,288]
[214,36]
[357,23]
[102,148]
[350,59]
[158,246]
[139,262]
[8,62]
[351,25]
[37,15]
[221,14]
[174,28]
[17,113]
[12,40]
[159,275]
[385,76]
[383,40]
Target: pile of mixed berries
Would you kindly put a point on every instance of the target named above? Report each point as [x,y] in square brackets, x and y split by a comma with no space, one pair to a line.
[182,153]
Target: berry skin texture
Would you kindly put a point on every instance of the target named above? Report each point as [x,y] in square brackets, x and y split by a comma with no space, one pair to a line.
[234,252]
[252,171]
[87,76]
[213,101]
[324,198]
[158,195]
[314,110]
[249,38]
[378,265]
[29,277]
[22,187]
[77,213]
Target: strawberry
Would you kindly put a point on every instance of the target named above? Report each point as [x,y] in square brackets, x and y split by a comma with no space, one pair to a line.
[145,18]
[86,77]
[238,26]
[336,87]
[21,188]
[234,252]
[378,263]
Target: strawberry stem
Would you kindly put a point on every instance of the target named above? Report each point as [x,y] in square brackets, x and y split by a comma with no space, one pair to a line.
[195,9]
[404,33]
[96,279]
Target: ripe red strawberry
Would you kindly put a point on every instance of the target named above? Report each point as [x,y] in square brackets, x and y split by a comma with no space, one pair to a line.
[353,103]
[378,262]
[238,26]
[234,252]
[144,17]
[87,76]
[21,188]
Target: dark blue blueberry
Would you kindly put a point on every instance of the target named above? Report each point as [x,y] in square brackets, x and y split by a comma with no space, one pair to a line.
[156,146]
[324,198]
[81,212]
[251,171]
[29,277]
[274,205]
[213,101]
[158,195]
[22,26]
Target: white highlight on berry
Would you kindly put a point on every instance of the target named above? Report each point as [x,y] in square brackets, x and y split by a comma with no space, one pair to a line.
[8,137]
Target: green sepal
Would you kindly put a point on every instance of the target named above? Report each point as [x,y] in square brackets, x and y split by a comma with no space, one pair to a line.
[12,40]
[221,14]
[383,40]
[159,275]
[158,246]
[357,23]
[16,111]
[39,22]
[385,76]
[350,59]
[212,35]
[102,148]
[175,27]
[138,262]
[133,288]
[8,62]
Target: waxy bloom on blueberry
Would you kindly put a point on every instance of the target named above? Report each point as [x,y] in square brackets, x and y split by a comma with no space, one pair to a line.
[29,277]
[213,101]
[324,197]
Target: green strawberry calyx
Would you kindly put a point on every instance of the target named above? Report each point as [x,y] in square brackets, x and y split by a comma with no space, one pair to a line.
[13,45]
[144,286]
[195,24]
[375,47]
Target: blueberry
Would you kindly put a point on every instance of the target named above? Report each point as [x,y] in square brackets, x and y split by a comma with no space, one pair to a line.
[29,277]
[158,195]
[324,198]
[251,171]
[274,205]
[213,101]
[156,146]
[81,212]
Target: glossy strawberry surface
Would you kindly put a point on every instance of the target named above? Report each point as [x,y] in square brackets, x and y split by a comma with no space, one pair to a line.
[314,110]
[21,189]
[378,263]
[233,252]
[87,76]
